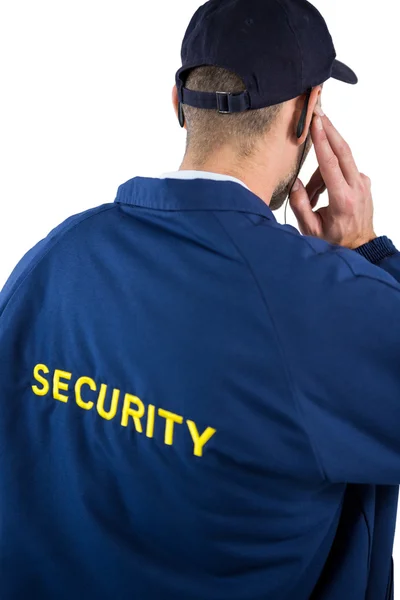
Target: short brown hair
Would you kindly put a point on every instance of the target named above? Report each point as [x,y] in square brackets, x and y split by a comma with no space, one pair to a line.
[208,129]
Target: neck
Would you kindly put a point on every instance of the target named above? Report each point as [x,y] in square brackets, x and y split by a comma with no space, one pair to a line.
[257,177]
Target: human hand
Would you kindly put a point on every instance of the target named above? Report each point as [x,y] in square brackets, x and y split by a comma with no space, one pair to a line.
[348,220]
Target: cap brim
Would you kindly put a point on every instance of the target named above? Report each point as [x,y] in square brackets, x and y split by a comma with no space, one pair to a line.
[343,73]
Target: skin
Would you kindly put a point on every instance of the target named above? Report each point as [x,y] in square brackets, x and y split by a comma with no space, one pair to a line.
[269,173]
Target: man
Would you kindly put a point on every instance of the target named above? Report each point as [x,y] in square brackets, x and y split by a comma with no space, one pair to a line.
[198,403]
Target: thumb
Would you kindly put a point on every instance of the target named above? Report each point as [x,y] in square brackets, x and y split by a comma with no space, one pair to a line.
[309,221]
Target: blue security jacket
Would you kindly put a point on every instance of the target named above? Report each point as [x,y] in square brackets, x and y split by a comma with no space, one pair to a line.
[198,403]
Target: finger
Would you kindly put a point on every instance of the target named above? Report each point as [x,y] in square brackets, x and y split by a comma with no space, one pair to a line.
[309,222]
[328,161]
[315,188]
[367,181]
[342,150]
[316,196]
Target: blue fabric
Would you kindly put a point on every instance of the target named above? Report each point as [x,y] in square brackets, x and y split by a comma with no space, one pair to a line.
[197,403]
[377,250]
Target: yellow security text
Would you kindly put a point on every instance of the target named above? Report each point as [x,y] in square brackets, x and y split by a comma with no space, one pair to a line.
[92,396]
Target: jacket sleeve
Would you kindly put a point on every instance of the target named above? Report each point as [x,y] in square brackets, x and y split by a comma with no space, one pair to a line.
[384,254]
[344,361]
[35,255]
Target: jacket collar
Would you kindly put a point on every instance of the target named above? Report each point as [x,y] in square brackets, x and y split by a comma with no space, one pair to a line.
[187,174]
[191,195]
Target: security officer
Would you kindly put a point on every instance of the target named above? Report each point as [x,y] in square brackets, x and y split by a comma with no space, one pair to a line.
[198,403]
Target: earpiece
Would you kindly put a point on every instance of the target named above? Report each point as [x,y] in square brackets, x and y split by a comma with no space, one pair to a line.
[303,118]
[300,131]
[181,115]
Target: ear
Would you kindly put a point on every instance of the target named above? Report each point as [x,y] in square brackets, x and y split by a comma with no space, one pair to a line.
[175,102]
[300,103]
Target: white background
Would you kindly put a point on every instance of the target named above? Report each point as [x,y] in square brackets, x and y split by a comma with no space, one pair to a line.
[85,106]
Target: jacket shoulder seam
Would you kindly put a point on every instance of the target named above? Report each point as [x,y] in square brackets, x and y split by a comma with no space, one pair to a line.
[283,354]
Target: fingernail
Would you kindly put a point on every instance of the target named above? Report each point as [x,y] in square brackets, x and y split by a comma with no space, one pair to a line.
[319,111]
[296,186]
[319,124]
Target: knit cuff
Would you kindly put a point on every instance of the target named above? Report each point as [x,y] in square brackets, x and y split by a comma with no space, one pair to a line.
[377,250]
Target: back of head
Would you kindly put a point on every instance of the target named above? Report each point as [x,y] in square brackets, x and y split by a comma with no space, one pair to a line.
[209,130]
[259,55]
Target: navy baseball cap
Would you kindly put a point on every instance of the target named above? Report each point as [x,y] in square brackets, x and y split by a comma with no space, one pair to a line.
[279,48]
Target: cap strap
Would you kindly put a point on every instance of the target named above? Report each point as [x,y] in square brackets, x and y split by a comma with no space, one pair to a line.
[223,102]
